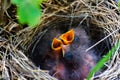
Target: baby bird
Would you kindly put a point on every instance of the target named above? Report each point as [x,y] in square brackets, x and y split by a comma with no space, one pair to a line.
[63,53]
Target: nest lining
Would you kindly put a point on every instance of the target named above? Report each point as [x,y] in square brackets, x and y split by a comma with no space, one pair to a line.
[16,65]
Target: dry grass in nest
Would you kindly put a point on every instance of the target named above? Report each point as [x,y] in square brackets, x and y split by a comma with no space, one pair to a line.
[16,65]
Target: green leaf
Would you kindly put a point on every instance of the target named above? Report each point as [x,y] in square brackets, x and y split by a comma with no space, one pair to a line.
[118,3]
[100,64]
[30,14]
[36,2]
[28,11]
[17,2]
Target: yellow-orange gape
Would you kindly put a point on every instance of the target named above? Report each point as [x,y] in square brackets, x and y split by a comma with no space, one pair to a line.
[67,37]
[63,53]
[58,45]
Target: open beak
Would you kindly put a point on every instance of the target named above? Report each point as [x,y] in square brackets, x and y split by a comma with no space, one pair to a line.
[56,44]
[59,47]
[67,37]
[63,44]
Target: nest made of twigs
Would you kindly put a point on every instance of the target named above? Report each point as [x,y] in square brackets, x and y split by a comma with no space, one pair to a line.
[16,39]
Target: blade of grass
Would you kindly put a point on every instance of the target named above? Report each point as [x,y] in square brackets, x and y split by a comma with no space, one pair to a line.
[100,64]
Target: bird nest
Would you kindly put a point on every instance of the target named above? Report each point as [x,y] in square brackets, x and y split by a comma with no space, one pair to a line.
[97,15]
